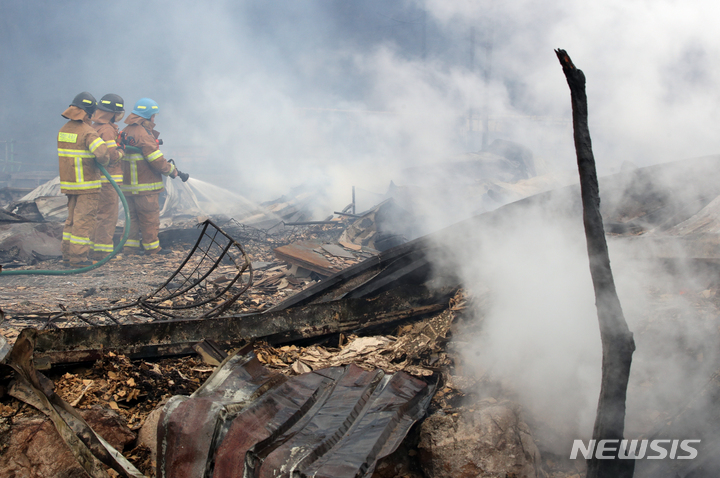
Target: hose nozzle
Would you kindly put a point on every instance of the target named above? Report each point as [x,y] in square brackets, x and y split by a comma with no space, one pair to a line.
[181,175]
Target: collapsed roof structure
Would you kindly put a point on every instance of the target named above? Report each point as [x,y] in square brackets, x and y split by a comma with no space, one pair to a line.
[650,211]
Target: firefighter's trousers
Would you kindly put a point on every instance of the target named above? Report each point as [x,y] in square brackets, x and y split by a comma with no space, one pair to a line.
[144,222]
[107,214]
[79,226]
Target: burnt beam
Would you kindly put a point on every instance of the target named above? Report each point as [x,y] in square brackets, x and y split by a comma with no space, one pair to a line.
[177,337]
[617,340]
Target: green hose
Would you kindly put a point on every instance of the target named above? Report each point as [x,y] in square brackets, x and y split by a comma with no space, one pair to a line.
[97,264]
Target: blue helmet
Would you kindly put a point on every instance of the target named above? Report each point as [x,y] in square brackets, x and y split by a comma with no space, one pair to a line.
[146,107]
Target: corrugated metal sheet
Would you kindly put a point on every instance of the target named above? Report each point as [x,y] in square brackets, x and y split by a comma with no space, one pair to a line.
[249,421]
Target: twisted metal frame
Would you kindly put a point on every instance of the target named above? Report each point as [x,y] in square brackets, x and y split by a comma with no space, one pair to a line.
[212,248]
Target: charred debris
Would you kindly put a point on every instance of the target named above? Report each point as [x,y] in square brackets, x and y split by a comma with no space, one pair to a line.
[274,344]
[223,307]
[617,340]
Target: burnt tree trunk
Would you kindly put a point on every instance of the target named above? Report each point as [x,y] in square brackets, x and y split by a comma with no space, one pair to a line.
[617,340]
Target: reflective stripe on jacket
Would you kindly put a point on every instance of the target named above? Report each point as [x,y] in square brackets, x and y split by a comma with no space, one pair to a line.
[109,132]
[144,165]
[79,146]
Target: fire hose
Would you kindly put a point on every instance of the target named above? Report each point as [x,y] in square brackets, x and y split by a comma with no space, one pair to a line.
[97,264]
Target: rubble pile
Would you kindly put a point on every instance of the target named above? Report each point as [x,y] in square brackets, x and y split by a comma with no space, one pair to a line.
[118,389]
[487,439]
[418,348]
[307,333]
[34,446]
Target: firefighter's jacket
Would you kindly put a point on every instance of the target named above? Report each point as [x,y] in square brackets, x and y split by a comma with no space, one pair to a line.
[79,146]
[108,131]
[142,170]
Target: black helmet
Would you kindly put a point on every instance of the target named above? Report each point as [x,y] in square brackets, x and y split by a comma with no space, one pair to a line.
[85,101]
[112,103]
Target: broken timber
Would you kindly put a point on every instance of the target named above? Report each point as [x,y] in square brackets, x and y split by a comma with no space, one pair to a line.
[303,255]
[617,340]
[177,337]
[407,263]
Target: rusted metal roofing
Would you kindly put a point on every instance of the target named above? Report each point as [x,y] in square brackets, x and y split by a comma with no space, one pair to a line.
[249,421]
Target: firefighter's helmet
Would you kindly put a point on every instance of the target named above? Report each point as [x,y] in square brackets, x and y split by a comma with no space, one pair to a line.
[85,101]
[112,103]
[146,107]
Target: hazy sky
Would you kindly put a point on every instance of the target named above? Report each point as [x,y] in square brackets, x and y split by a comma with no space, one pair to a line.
[274,93]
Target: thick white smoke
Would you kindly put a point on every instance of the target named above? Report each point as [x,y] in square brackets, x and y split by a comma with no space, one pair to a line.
[539,332]
[333,94]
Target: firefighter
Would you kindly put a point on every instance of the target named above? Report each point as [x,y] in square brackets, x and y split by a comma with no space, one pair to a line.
[79,147]
[143,165]
[110,110]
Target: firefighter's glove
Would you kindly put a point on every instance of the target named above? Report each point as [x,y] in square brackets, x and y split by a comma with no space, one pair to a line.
[121,140]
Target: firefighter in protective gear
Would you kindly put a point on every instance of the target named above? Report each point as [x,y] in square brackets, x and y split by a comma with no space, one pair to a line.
[143,166]
[110,110]
[79,147]
[146,107]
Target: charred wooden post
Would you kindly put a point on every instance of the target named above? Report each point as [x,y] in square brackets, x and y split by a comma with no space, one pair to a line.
[617,340]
